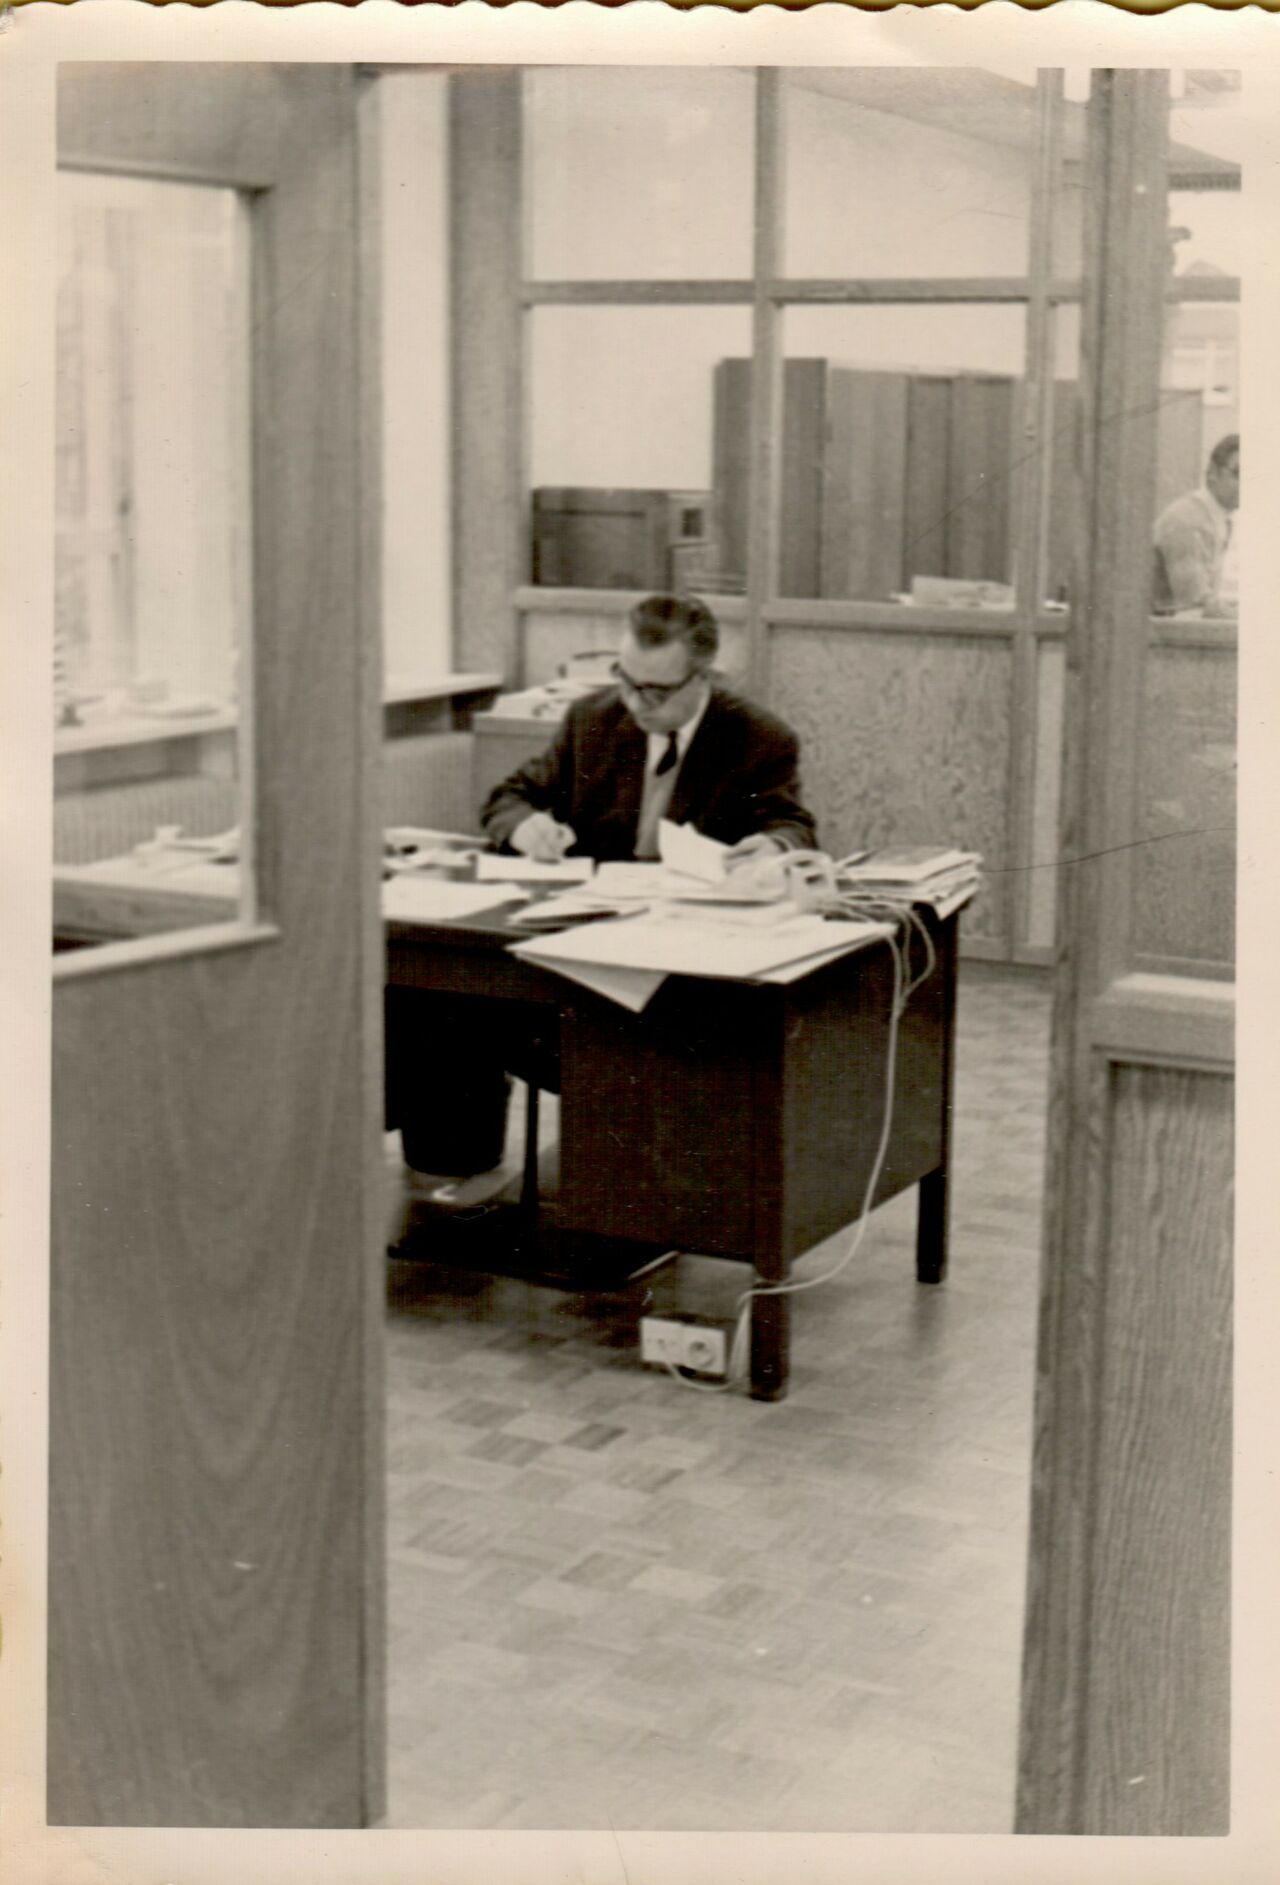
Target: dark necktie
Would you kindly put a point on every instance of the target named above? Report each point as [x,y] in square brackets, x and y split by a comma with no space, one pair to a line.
[658,787]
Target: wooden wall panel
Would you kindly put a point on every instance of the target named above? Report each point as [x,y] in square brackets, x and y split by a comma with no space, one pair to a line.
[905,738]
[924,550]
[1185,879]
[978,496]
[235,119]
[1159,1561]
[207,1402]
[215,1531]
[863,489]
[489,489]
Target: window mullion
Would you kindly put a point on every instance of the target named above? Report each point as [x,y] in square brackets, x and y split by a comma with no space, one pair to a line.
[766,379]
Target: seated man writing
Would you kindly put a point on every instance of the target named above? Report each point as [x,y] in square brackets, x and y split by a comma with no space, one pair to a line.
[667,740]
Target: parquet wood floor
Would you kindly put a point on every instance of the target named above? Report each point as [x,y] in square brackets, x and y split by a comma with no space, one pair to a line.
[616,1602]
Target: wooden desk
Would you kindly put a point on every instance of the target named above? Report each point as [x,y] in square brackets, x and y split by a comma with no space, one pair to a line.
[726,1119]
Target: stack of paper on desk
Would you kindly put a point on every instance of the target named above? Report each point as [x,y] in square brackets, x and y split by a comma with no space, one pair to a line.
[944,879]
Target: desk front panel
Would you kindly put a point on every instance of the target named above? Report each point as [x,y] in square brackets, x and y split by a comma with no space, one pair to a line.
[660,1114]
[474,961]
[734,1120]
[742,1121]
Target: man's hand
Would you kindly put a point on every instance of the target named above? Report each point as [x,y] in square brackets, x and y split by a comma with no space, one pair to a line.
[542,837]
[753,850]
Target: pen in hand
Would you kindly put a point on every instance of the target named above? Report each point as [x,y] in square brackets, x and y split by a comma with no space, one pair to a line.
[542,838]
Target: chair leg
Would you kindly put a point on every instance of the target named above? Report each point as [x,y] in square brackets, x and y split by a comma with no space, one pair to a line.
[529,1180]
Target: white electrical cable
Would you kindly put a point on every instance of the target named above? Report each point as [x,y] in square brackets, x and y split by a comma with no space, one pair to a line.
[848,902]
[738,1357]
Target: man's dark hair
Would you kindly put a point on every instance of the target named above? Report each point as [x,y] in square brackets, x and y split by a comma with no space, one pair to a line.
[662,619]
[1225,449]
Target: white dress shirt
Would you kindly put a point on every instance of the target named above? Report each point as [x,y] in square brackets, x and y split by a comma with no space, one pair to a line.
[658,787]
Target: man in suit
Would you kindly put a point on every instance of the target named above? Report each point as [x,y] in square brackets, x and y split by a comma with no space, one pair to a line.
[667,740]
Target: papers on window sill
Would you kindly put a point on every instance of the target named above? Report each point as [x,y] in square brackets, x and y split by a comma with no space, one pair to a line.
[657,946]
[409,899]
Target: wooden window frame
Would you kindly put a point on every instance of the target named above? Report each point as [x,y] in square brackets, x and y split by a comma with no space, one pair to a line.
[767,293]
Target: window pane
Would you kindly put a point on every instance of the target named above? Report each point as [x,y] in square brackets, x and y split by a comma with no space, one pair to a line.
[893,172]
[1184,883]
[1198,489]
[1066,247]
[1197,527]
[1195,543]
[152,562]
[621,446]
[899,435]
[638,173]
[1184,876]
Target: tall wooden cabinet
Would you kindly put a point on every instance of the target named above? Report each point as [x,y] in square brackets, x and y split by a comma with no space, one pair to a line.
[886,476]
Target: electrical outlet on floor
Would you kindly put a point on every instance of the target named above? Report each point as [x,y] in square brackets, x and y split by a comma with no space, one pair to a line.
[683,1342]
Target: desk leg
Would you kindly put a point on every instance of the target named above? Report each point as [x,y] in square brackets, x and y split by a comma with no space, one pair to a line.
[770,1345]
[931,1228]
[529,1177]
[931,1224]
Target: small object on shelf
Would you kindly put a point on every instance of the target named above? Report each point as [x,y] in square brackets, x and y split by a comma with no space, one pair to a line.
[960,592]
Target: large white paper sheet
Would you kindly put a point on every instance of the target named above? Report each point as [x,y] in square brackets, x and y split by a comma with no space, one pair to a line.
[427,900]
[795,971]
[697,948]
[631,988]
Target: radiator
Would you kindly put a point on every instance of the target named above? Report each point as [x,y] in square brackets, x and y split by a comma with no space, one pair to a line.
[113,818]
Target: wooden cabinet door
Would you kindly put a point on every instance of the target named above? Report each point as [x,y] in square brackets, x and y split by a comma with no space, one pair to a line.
[215,1632]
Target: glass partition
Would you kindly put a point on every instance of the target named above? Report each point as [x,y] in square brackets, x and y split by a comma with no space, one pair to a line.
[1197,523]
[1184,883]
[152,558]
[900,435]
[936,169]
[635,173]
[622,444]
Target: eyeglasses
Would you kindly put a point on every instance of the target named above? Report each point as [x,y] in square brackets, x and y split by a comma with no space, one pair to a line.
[650,693]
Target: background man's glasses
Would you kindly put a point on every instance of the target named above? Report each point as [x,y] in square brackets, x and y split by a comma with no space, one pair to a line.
[650,693]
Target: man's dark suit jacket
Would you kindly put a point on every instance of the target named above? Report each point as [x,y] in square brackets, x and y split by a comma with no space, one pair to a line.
[738,777]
